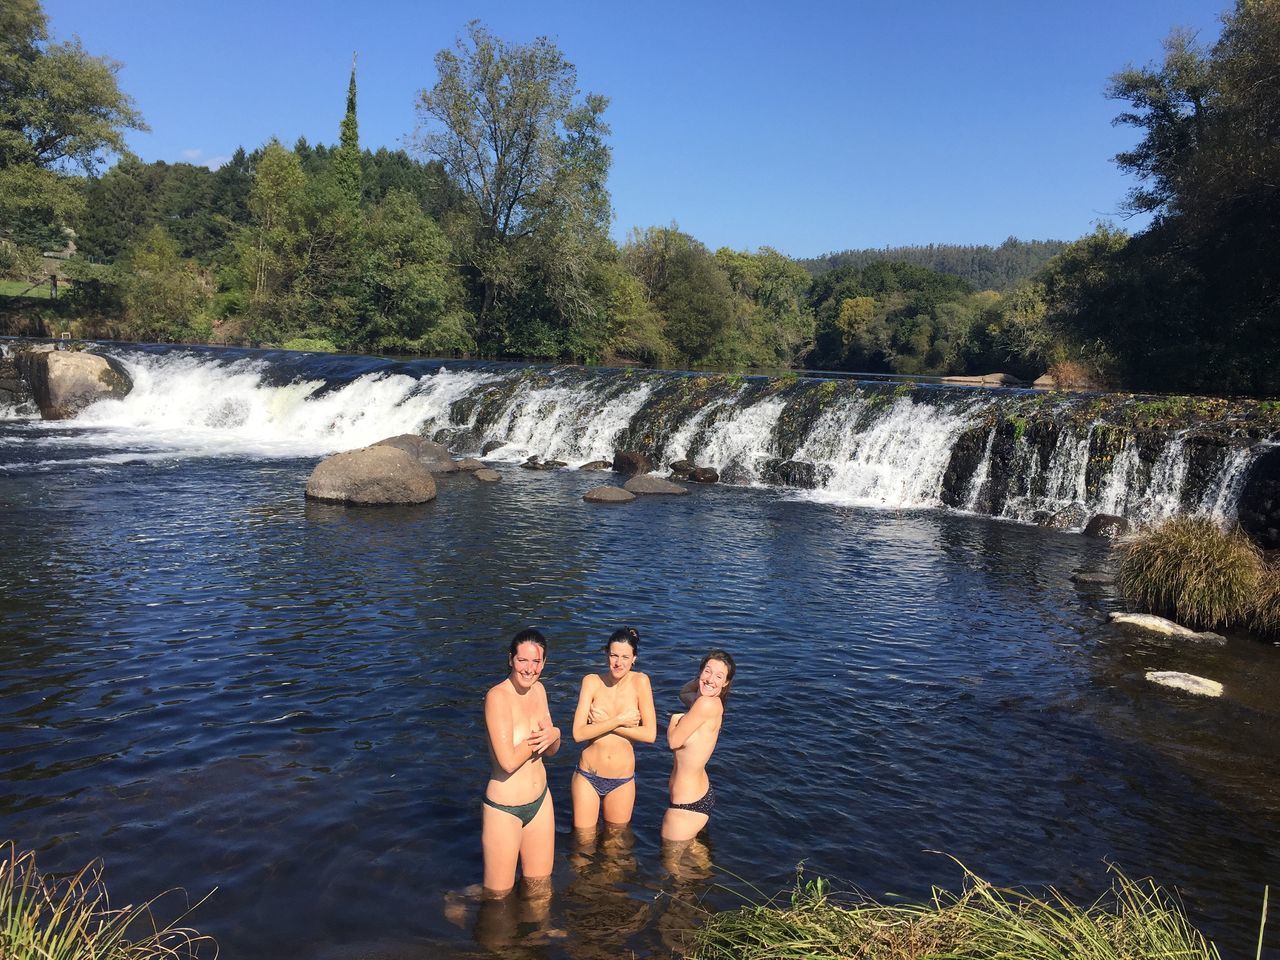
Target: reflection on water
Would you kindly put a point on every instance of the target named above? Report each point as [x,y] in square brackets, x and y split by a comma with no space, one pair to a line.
[209,682]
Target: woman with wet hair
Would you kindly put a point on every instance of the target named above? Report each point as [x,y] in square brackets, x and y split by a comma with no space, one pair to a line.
[692,738]
[519,820]
[615,711]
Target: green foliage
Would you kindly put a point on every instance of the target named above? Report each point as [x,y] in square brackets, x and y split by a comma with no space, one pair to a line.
[1135,921]
[981,267]
[1192,570]
[71,918]
[61,110]
[309,345]
[163,295]
[346,159]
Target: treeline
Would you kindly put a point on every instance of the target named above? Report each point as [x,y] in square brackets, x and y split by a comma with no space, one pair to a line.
[982,266]
[490,236]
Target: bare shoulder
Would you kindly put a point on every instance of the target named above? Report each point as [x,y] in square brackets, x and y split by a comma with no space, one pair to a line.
[590,682]
[642,679]
[498,693]
[712,706]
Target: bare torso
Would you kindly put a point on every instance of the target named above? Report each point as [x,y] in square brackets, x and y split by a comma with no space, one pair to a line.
[526,712]
[612,754]
[689,780]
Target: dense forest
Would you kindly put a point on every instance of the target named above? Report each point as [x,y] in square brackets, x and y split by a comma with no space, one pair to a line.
[489,236]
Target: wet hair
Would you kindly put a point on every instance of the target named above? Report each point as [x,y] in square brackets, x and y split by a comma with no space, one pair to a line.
[723,657]
[529,635]
[625,635]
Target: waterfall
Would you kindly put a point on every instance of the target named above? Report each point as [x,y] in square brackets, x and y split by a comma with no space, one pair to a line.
[1016,454]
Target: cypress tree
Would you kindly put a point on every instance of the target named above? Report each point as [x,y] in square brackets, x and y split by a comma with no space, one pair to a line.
[347,156]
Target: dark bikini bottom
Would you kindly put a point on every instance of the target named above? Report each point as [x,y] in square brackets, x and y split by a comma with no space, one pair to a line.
[704,804]
[524,812]
[603,785]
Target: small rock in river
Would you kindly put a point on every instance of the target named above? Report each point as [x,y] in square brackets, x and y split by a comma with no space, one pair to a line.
[1187,682]
[608,495]
[487,476]
[1147,621]
[650,485]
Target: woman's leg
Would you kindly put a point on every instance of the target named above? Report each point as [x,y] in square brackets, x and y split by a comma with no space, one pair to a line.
[619,803]
[586,803]
[500,837]
[682,824]
[538,851]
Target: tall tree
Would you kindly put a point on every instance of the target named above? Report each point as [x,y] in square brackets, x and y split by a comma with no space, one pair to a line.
[529,157]
[60,111]
[346,159]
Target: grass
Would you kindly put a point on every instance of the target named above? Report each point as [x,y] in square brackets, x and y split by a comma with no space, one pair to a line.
[21,288]
[1135,920]
[71,918]
[1197,573]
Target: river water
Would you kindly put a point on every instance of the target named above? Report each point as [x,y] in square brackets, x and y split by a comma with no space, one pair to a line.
[211,683]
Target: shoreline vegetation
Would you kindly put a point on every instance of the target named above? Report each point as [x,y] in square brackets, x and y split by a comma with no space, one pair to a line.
[1135,920]
[489,236]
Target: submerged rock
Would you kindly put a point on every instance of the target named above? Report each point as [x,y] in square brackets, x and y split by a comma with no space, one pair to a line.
[537,463]
[597,465]
[64,382]
[470,464]
[380,474]
[649,485]
[1187,682]
[608,495]
[1097,578]
[1154,624]
[487,476]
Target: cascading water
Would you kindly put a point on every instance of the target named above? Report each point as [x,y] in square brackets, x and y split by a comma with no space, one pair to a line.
[1020,455]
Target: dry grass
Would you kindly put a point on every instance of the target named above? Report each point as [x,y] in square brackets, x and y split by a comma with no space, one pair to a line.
[71,918]
[1190,569]
[1135,921]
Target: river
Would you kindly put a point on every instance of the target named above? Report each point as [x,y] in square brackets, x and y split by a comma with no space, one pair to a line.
[211,683]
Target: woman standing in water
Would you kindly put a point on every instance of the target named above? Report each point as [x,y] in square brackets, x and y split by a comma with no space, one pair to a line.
[692,737]
[519,821]
[615,710]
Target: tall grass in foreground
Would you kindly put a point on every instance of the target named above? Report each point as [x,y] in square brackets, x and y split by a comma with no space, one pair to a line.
[1136,920]
[1197,573]
[71,918]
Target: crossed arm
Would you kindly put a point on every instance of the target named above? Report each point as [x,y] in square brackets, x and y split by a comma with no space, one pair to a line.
[543,740]
[639,725]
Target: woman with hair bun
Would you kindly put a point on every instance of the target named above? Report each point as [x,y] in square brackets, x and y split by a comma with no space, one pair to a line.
[692,738]
[519,820]
[615,710]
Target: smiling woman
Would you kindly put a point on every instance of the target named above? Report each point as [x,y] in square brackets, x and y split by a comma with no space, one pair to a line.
[519,818]
[692,738]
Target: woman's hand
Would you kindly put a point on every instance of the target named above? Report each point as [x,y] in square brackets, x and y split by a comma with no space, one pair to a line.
[596,715]
[544,736]
[629,718]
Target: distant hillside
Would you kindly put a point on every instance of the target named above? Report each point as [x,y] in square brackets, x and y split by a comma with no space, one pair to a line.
[984,267]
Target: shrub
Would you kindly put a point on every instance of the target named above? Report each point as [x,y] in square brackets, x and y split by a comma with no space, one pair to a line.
[309,345]
[1191,569]
[71,918]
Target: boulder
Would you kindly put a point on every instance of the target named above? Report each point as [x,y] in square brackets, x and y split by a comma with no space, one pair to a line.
[597,465]
[434,456]
[1187,682]
[487,476]
[682,468]
[790,473]
[381,474]
[1045,382]
[646,484]
[64,382]
[988,380]
[1070,517]
[536,463]
[626,461]
[492,445]
[704,475]
[1154,624]
[1107,526]
[470,464]
[608,495]
[1096,578]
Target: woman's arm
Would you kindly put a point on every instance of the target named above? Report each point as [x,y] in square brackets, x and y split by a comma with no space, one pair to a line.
[685,725]
[583,728]
[647,730]
[497,721]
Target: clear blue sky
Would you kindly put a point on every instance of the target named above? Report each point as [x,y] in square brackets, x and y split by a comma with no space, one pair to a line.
[809,127]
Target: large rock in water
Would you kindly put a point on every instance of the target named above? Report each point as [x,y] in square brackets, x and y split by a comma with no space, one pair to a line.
[1187,682]
[648,485]
[1154,624]
[64,382]
[380,474]
[434,456]
[608,495]
[630,461]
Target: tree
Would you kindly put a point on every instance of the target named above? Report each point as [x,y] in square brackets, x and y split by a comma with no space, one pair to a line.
[162,292]
[60,111]
[530,159]
[346,159]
